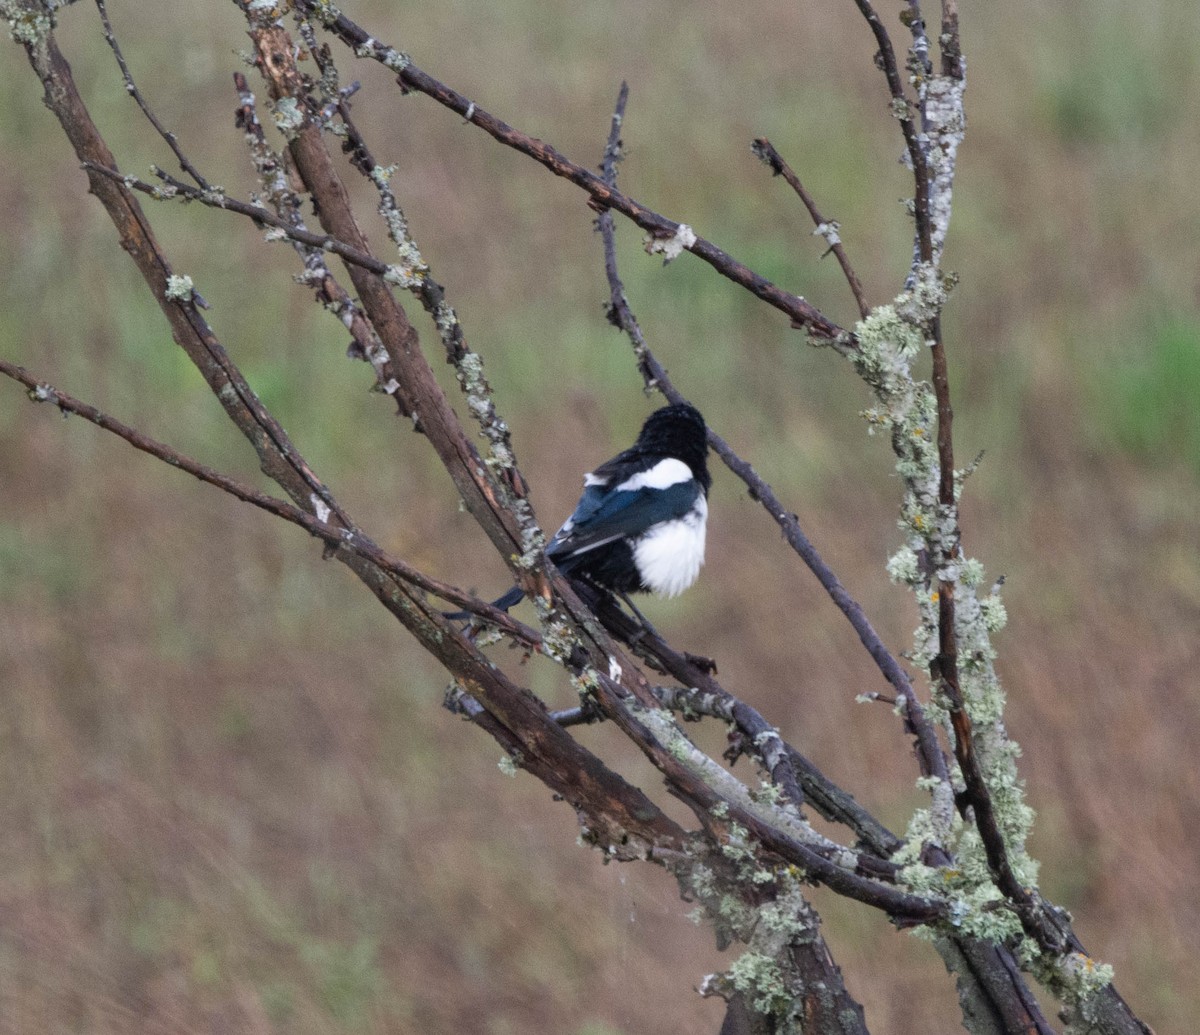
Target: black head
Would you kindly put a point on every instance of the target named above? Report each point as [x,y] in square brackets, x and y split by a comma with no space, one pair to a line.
[678,431]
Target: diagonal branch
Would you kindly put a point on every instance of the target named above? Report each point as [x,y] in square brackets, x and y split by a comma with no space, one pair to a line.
[175,188]
[701,694]
[332,535]
[902,110]
[765,150]
[131,88]
[329,292]
[601,194]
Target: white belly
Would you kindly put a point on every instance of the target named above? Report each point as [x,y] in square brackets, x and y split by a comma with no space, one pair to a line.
[669,556]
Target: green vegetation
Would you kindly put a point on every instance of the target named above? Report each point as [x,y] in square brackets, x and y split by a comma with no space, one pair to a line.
[1150,391]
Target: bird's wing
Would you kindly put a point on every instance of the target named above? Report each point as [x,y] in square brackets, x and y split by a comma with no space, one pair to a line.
[618,502]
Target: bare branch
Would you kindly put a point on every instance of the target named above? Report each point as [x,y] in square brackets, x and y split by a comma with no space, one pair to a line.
[951,48]
[902,111]
[329,292]
[602,196]
[176,189]
[332,535]
[764,824]
[765,150]
[131,88]
[615,809]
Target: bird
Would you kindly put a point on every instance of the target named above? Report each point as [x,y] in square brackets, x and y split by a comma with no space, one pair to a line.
[639,526]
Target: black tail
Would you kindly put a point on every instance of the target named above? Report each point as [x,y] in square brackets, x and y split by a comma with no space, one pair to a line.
[510,599]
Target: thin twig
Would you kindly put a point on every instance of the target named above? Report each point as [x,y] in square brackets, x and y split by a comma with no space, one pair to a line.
[131,88]
[177,189]
[902,110]
[765,150]
[662,229]
[333,535]
[923,66]
[317,274]
[951,47]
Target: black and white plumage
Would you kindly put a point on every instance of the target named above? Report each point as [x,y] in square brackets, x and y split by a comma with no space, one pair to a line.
[639,526]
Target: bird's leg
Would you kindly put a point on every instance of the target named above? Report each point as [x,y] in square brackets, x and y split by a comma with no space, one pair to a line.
[646,626]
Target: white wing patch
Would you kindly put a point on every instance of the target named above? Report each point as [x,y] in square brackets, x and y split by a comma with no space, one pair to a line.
[670,554]
[662,475]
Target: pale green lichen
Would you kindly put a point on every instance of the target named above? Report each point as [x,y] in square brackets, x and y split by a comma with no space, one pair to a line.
[214,195]
[971,572]
[673,246]
[444,317]
[28,24]
[587,683]
[326,11]
[394,59]
[1074,977]
[733,912]
[830,231]
[759,978]
[288,116]
[926,296]
[903,567]
[401,276]
[1084,975]
[767,793]
[885,341]
[778,918]
[508,766]
[702,880]
[265,8]
[558,639]
[179,287]
[889,339]
[995,617]
[411,261]
[533,539]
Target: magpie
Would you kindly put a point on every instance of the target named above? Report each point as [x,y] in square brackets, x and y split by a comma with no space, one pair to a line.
[639,525]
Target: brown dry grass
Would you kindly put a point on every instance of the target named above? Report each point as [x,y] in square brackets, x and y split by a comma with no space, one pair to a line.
[230,799]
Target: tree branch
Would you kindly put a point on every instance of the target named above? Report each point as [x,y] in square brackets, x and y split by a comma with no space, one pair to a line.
[131,87]
[661,229]
[902,112]
[765,150]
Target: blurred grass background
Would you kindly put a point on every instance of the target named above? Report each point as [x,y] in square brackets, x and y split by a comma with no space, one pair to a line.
[230,798]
